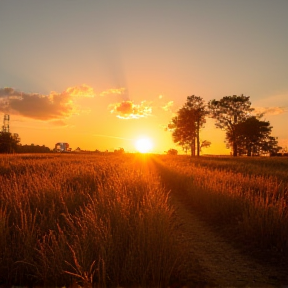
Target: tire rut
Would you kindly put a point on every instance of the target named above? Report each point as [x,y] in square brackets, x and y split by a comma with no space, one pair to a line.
[211,261]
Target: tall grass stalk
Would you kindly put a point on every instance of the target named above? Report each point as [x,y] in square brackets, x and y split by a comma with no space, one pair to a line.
[254,203]
[101,220]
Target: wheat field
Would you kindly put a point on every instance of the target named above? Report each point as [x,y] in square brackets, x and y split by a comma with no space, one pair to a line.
[99,219]
[106,220]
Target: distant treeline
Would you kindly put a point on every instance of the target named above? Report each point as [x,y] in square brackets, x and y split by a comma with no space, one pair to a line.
[33,149]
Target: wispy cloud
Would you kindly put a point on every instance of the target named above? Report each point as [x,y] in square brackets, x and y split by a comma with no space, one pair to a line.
[168,106]
[270,110]
[81,91]
[119,91]
[129,110]
[43,107]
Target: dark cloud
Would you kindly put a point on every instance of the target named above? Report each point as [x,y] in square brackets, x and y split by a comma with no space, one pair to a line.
[43,107]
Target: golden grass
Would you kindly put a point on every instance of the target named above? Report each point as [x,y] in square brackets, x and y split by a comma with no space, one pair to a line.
[104,220]
[250,194]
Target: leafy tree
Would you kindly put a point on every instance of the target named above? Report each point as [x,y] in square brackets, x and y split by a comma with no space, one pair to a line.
[119,151]
[32,149]
[205,144]
[188,122]
[253,137]
[228,111]
[8,142]
[270,146]
[186,147]
[172,152]
[183,130]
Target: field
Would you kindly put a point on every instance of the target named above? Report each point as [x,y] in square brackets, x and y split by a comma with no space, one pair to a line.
[106,220]
[251,194]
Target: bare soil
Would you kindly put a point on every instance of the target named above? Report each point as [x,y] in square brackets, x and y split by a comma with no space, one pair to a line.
[211,260]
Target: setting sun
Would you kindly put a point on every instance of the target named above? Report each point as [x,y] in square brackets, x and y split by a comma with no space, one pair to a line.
[143,145]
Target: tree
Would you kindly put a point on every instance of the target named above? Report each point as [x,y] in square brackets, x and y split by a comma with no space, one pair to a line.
[228,111]
[8,142]
[205,144]
[188,122]
[32,149]
[183,134]
[253,137]
[186,148]
[270,146]
[172,152]
[119,151]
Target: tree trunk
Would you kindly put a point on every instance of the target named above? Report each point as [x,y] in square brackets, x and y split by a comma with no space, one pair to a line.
[249,150]
[235,149]
[198,139]
[193,147]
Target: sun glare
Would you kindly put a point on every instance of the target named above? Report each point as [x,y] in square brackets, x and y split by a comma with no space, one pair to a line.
[144,145]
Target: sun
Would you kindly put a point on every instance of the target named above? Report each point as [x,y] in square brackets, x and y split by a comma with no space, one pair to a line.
[144,145]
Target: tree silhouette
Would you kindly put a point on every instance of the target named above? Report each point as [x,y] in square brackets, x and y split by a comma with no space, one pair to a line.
[228,111]
[172,152]
[188,122]
[205,144]
[32,149]
[253,137]
[8,142]
[270,146]
[119,151]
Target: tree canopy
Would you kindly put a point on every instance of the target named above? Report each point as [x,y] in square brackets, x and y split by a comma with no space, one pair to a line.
[172,152]
[253,137]
[227,112]
[8,142]
[188,122]
[246,134]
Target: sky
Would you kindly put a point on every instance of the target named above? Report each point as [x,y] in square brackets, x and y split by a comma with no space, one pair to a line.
[102,74]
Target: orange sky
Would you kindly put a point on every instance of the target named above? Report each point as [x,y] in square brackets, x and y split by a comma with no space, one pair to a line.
[99,75]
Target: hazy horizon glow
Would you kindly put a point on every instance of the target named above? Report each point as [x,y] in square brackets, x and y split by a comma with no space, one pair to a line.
[144,145]
[99,75]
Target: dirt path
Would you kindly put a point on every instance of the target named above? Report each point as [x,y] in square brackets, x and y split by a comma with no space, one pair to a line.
[211,261]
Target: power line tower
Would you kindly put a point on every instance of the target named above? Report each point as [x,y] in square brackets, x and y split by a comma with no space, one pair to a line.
[5,127]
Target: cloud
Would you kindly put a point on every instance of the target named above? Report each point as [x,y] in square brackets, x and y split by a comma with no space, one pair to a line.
[270,110]
[129,110]
[167,107]
[119,91]
[81,91]
[43,107]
